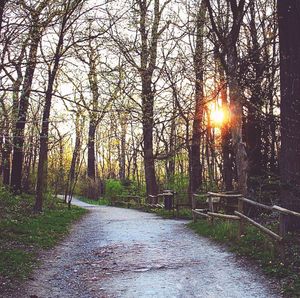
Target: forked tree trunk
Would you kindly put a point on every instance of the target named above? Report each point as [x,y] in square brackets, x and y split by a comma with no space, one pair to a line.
[18,139]
[44,135]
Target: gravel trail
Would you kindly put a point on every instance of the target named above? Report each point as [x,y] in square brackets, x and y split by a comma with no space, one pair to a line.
[115,252]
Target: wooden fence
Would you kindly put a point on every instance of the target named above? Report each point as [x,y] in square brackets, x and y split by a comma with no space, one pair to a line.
[152,201]
[214,200]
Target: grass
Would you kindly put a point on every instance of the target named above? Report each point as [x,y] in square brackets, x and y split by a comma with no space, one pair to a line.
[100,201]
[284,265]
[182,214]
[24,234]
[16,263]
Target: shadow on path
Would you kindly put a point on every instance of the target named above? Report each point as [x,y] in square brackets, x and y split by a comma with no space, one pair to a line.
[116,252]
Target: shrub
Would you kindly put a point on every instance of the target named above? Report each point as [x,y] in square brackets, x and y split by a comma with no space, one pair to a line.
[113,188]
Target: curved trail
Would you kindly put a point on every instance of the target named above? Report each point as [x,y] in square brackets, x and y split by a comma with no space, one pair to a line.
[114,252]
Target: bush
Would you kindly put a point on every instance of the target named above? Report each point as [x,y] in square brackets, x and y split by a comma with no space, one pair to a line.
[113,188]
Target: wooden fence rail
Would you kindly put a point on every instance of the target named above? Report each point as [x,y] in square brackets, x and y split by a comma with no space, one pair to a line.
[239,213]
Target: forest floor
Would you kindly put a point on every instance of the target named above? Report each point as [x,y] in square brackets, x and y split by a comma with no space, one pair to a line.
[116,252]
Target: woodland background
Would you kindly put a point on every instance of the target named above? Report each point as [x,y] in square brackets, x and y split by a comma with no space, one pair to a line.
[140,96]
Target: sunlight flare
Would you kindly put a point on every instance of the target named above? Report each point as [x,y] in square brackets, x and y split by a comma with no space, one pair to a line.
[217,117]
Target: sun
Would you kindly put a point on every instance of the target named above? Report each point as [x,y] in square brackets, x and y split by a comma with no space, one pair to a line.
[217,117]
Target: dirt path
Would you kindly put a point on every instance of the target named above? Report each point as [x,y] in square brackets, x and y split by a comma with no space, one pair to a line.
[116,252]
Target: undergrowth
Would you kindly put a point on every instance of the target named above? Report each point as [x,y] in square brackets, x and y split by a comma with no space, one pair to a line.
[100,201]
[24,233]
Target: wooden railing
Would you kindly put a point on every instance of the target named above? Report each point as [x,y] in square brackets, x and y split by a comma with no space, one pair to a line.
[214,199]
[152,201]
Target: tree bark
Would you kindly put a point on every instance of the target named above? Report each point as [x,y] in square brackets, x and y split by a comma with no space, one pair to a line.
[147,119]
[6,154]
[227,152]
[122,149]
[44,136]
[236,108]
[195,173]
[229,43]
[91,166]
[253,131]
[93,81]
[18,138]
[148,64]
[2,5]
[289,36]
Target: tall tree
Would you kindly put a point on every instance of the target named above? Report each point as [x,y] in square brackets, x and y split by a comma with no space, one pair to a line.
[149,31]
[289,35]
[37,26]
[94,117]
[66,21]
[195,173]
[228,41]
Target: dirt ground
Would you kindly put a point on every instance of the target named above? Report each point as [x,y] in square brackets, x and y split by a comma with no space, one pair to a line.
[115,252]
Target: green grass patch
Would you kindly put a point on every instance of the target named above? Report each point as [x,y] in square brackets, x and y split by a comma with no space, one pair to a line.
[182,214]
[257,246]
[16,263]
[23,233]
[100,201]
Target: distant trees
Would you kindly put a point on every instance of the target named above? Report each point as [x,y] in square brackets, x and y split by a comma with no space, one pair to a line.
[149,28]
[127,90]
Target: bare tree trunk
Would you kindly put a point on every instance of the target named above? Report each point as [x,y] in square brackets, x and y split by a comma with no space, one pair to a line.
[44,136]
[229,42]
[43,153]
[225,135]
[75,159]
[253,133]
[195,179]
[93,81]
[18,139]
[148,102]
[122,158]
[6,154]
[35,34]
[28,160]
[236,108]
[289,20]
[91,166]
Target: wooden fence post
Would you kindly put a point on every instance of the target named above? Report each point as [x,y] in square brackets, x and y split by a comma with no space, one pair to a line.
[282,224]
[241,228]
[211,208]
